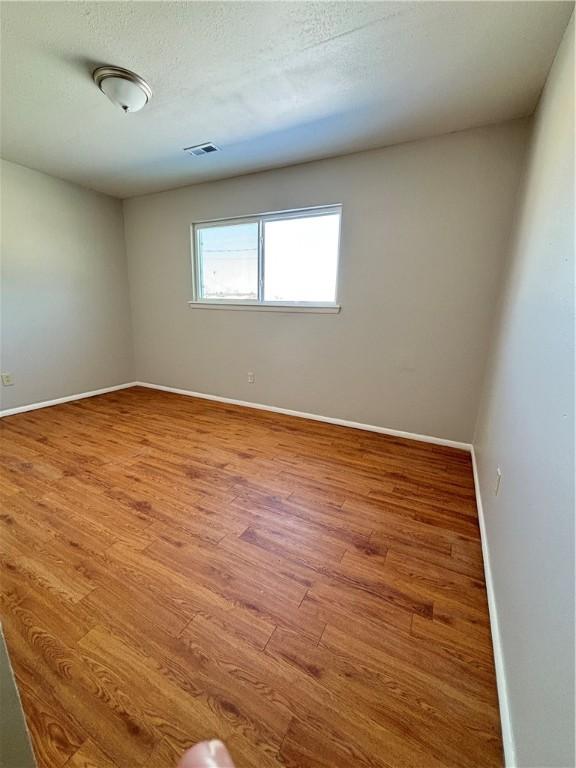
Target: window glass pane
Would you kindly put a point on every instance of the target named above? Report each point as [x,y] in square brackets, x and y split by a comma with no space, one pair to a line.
[228,262]
[301,258]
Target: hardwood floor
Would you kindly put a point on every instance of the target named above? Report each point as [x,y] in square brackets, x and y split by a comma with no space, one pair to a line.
[175,569]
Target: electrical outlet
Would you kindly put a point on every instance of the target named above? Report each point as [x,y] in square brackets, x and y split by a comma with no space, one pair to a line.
[498,479]
[251,377]
[7,379]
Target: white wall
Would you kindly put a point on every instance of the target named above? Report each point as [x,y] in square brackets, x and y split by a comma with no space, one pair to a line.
[424,230]
[65,309]
[526,427]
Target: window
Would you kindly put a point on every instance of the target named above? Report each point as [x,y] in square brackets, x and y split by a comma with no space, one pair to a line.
[274,260]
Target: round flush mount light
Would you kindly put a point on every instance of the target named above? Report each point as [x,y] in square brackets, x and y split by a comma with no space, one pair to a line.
[124,88]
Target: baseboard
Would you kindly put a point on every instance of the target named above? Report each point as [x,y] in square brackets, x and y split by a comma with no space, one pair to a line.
[313,416]
[246,404]
[506,723]
[60,400]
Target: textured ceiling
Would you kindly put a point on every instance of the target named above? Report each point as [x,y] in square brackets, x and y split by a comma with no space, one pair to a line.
[272,83]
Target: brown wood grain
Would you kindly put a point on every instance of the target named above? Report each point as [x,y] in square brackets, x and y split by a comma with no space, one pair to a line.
[174,569]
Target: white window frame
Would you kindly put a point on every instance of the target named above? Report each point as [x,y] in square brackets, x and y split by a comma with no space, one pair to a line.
[198,302]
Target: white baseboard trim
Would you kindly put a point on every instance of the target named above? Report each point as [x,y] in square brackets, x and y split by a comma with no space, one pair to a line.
[505,720]
[60,400]
[313,416]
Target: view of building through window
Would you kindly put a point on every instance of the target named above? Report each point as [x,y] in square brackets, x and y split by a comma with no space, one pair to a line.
[229,262]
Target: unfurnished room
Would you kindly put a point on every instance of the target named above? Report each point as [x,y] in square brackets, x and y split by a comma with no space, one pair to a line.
[287,384]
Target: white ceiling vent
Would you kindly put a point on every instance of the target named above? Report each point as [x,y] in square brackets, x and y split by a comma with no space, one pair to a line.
[202,149]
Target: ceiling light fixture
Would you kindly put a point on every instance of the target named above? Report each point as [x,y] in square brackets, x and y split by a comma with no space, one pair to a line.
[124,88]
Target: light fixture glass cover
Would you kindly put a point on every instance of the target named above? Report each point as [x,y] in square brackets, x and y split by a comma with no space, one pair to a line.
[124,88]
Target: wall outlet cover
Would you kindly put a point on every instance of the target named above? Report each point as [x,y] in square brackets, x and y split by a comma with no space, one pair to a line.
[498,480]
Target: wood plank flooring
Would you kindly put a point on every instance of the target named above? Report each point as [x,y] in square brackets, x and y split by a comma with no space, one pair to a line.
[174,569]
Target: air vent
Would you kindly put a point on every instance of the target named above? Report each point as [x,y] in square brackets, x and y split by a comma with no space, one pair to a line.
[202,149]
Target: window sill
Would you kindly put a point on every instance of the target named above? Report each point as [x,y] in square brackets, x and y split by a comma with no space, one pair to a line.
[319,309]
